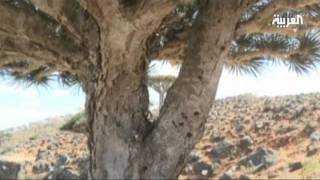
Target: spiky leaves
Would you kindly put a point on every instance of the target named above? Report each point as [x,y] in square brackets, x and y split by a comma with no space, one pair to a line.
[250,52]
[29,74]
[296,46]
[38,40]
[158,82]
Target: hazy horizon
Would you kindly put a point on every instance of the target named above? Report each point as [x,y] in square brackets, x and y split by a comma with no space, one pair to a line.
[20,106]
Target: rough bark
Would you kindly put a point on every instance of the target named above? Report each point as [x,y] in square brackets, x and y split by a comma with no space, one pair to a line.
[117,103]
[105,43]
[118,122]
[121,145]
[189,100]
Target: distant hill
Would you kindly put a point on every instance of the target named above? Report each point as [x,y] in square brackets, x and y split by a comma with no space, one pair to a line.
[245,137]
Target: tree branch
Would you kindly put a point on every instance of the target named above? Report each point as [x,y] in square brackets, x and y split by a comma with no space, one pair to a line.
[24,27]
[262,20]
[192,94]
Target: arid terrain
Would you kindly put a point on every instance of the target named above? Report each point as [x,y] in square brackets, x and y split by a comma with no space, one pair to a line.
[246,137]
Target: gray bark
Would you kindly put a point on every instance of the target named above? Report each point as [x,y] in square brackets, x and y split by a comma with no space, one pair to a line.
[104,43]
[181,121]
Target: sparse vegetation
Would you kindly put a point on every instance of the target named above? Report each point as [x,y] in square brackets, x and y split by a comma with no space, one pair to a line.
[4,135]
[74,122]
[34,137]
[232,134]
[5,151]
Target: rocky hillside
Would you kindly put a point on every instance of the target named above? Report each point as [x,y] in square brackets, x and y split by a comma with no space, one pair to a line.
[44,151]
[245,138]
[258,138]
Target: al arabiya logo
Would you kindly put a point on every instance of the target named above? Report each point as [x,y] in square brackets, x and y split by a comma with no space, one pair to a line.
[284,22]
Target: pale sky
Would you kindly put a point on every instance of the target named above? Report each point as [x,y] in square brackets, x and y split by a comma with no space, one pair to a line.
[19,105]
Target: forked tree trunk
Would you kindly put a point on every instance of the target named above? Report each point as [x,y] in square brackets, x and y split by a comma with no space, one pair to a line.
[117,103]
[102,44]
[122,145]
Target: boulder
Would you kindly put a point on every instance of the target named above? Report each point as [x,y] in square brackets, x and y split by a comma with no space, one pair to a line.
[295,166]
[222,150]
[229,174]
[226,177]
[61,173]
[245,143]
[308,129]
[203,169]
[260,159]
[9,170]
[315,136]
[41,166]
[244,177]
[194,156]
[42,155]
[313,149]
[62,160]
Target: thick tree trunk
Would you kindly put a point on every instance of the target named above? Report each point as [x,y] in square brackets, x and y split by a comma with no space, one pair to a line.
[117,106]
[102,43]
[122,143]
[118,124]
[117,103]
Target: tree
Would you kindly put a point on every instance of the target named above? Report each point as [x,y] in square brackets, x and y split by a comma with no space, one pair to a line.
[161,83]
[105,46]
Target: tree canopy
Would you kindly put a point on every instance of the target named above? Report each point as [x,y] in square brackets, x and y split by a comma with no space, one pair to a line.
[52,31]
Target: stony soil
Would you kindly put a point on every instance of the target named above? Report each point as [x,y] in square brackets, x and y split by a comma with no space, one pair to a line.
[245,138]
[258,138]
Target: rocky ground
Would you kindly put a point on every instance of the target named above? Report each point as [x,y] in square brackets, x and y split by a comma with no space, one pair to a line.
[44,151]
[259,138]
[245,138]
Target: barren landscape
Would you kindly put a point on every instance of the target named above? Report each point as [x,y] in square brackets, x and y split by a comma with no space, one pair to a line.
[246,137]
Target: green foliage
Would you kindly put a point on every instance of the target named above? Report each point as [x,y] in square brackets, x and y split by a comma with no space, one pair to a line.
[34,137]
[75,121]
[253,67]
[252,51]
[161,82]
[161,78]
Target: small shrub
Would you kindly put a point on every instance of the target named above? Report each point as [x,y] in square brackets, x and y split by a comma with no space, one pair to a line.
[5,151]
[34,137]
[4,135]
[75,121]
